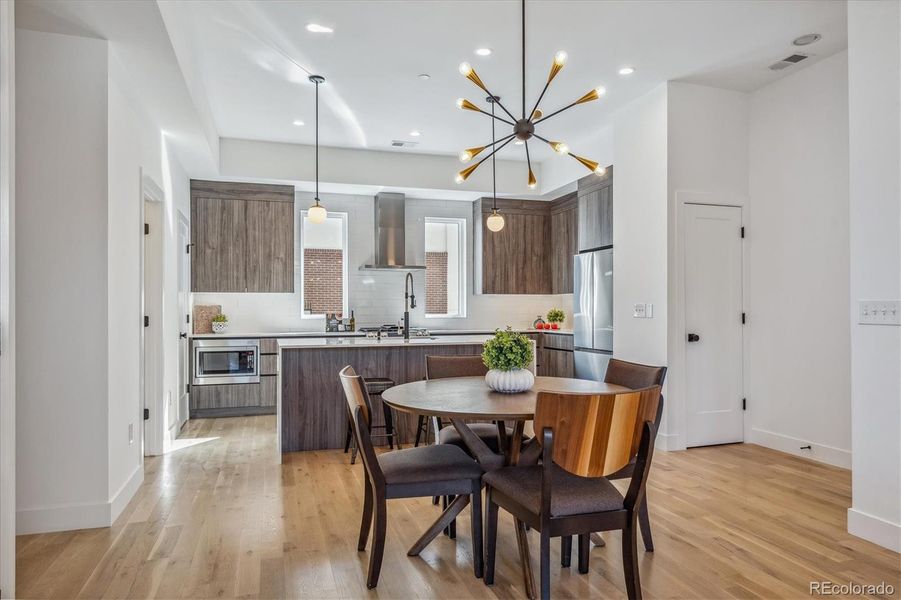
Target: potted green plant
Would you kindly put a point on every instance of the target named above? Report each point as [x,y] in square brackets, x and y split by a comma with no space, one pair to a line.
[555,316]
[507,355]
[220,323]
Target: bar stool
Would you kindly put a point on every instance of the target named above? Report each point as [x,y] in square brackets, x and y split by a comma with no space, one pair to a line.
[374,388]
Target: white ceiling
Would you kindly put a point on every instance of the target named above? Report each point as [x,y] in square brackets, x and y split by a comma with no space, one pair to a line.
[249,61]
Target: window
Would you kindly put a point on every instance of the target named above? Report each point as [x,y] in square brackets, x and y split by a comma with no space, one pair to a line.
[323,260]
[445,267]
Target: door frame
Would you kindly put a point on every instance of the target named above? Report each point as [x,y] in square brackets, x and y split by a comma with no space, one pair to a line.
[152,431]
[181,220]
[677,411]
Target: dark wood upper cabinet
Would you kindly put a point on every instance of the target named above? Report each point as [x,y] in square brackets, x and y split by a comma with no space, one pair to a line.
[564,242]
[243,237]
[595,211]
[516,259]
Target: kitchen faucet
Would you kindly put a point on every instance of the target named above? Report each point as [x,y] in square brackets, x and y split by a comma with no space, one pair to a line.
[409,302]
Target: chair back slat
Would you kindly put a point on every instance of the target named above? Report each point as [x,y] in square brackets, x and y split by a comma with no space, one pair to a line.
[358,405]
[442,367]
[595,434]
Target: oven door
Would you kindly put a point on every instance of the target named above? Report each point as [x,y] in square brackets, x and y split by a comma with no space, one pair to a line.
[218,364]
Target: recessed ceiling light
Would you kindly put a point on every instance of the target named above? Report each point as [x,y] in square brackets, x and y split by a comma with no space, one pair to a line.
[518,143]
[298,122]
[316,28]
[626,70]
[416,133]
[424,76]
[806,40]
[483,51]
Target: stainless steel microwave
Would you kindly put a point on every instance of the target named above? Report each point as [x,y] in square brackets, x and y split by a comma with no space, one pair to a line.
[226,361]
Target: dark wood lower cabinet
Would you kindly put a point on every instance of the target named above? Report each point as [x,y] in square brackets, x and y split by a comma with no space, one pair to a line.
[314,410]
[556,363]
[233,400]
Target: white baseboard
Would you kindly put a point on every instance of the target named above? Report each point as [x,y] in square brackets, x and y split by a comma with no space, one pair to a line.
[62,518]
[79,516]
[122,497]
[784,443]
[668,442]
[873,529]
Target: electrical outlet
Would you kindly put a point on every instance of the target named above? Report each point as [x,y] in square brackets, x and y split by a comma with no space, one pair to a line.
[131,433]
[879,312]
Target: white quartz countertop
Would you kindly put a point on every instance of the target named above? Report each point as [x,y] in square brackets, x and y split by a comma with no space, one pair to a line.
[363,342]
[350,334]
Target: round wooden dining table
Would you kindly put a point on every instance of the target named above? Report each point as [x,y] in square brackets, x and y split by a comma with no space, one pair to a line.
[458,398]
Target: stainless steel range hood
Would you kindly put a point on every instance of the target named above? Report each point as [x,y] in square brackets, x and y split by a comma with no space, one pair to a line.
[390,234]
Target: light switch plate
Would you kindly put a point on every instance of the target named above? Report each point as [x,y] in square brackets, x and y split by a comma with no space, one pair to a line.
[879,312]
[638,311]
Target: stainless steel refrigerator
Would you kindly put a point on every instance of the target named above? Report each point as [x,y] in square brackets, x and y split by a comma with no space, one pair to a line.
[593,313]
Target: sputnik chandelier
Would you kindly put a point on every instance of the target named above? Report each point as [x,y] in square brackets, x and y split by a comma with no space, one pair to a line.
[523,127]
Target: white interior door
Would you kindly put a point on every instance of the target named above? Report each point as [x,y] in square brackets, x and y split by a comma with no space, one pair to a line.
[184,311]
[713,324]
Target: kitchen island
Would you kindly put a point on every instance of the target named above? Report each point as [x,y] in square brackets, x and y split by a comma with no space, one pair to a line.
[311,407]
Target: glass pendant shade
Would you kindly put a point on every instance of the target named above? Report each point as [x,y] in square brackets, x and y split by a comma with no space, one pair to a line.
[317,213]
[495,221]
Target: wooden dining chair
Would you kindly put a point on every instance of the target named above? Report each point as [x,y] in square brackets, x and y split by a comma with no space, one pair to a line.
[583,439]
[635,376]
[411,473]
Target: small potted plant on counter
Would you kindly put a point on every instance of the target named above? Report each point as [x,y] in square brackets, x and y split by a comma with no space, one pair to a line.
[507,355]
[220,323]
[555,316]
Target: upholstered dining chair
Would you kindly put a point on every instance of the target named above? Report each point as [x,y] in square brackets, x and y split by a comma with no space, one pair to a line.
[583,439]
[433,470]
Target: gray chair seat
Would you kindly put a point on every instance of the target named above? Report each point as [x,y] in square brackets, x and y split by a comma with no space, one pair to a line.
[428,463]
[572,495]
[486,431]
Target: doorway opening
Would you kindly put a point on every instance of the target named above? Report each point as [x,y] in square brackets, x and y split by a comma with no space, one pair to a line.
[183,250]
[154,406]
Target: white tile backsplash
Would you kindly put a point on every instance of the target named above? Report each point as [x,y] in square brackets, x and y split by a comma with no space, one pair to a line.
[378,296]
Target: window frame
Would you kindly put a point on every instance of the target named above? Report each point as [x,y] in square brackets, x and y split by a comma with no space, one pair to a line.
[461,288]
[344,260]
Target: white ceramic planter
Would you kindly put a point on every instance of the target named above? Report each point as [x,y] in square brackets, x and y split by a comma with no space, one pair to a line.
[510,382]
[220,326]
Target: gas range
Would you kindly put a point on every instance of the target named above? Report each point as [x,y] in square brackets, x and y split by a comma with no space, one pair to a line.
[393,331]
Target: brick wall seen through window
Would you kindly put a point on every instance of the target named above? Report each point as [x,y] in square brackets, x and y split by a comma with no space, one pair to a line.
[436,282]
[322,280]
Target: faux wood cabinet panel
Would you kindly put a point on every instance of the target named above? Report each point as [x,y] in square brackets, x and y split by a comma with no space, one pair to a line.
[596,211]
[243,236]
[220,245]
[516,259]
[556,363]
[559,341]
[564,243]
[269,364]
[225,396]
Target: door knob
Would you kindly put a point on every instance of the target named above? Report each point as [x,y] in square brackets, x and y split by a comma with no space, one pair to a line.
[694,337]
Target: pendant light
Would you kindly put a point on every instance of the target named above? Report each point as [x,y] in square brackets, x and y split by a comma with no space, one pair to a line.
[317,212]
[495,221]
[524,126]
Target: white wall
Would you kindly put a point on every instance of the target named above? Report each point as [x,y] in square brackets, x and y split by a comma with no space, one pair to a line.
[377,296]
[640,227]
[61,289]
[7,302]
[707,158]
[558,171]
[874,61]
[798,380]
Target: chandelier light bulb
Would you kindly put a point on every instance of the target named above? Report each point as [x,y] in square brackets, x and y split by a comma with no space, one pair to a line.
[560,147]
[599,170]
[600,91]
[465,156]
[458,179]
[560,58]
[495,221]
[317,213]
[465,69]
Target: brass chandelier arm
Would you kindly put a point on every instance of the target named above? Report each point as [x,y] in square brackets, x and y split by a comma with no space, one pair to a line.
[529,162]
[503,139]
[480,84]
[556,112]
[537,102]
[493,152]
[501,119]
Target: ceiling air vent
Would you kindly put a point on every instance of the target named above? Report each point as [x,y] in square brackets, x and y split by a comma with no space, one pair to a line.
[402,144]
[788,61]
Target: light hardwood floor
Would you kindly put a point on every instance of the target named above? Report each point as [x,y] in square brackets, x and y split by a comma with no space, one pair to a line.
[221,518]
